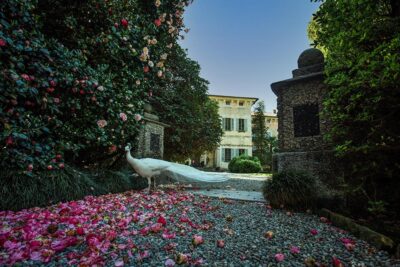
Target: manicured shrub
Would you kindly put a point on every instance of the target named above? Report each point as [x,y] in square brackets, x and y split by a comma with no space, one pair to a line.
[244,164]
[292,189]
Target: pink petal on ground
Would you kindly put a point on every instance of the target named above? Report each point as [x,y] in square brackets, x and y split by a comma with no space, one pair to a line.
[279,257]
[119,263]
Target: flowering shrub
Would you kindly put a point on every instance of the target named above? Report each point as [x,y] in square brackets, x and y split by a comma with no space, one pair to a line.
[74,78]
[63,97]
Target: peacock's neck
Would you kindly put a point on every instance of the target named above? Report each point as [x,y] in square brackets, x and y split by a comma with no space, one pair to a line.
[131,159]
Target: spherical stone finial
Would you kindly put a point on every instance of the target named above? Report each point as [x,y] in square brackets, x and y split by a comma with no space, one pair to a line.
[148,108]
[309,57]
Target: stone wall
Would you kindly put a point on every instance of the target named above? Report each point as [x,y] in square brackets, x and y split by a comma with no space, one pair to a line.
[296,93]
[145,141]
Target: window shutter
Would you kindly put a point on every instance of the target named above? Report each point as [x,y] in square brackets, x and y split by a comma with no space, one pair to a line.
[245,152]
[223,124]
[237,125]
[232,124]
[245,125]
[223,155]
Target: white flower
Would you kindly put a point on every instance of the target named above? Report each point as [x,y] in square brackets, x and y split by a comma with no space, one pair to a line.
[151,64]
[138,117]
[100,88]
[137,82]
[159,73]
[157,3]
[164,56]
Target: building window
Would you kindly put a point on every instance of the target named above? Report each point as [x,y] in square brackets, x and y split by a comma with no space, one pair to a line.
[154,142]
[227,102]
[306,120]
[242,151]
[241,125]
[241,103]
[227,124]
[226,154]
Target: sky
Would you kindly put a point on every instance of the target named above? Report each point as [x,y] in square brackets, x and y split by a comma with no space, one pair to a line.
[243,46]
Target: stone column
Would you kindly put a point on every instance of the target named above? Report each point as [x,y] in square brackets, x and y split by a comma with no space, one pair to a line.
[301,128]
[151,136]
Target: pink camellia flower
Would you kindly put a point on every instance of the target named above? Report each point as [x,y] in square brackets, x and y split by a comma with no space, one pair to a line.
[220,243]
[2,42]
[155,228]
[157,22]
[26,77]
[323,219]
[336,262]
[123,116]
[138,117]
[197,240]
[112,149]
[294,250]
[314,231]
[80,231]
[30,167]
[53,83]
[167,235]
[279,257]
[349,246]
[124,23]
[102,123]
[119,263]
[61,166]
[56,100]
[169,263]
[162,220]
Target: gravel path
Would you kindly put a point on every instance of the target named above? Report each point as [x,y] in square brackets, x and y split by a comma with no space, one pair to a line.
[242,182]
[127,229]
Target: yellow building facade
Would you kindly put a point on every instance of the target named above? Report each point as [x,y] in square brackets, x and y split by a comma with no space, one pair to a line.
[235,113]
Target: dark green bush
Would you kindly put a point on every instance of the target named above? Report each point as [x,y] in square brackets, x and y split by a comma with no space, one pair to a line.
[292,189]
[244,164]
[19,191]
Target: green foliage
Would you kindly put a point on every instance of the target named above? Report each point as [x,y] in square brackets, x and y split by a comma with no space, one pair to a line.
[183,102]
[362,39]
[73,76]
[70,66]
[264,144]
[22,191]
[244,164]
[377,207]
[292,189]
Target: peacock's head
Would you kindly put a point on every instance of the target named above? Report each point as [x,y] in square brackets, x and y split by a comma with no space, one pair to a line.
[128,147]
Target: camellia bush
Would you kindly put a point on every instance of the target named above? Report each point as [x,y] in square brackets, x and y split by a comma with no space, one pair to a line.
[74,78]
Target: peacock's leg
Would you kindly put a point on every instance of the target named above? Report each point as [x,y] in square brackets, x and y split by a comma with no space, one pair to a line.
[155,187]
[149,183]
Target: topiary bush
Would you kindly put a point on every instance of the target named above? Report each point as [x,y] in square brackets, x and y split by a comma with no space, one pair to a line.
[244,164]
[292,189]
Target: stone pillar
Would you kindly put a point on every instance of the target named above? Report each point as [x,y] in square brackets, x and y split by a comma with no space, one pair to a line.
[151,136]
[300,125]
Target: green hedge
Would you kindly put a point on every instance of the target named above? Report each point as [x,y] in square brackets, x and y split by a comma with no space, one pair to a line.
[23,191]
[244,164]
[292,189]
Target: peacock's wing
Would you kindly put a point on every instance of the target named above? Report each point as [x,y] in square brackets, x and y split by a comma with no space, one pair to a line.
[184,173]
[155,164]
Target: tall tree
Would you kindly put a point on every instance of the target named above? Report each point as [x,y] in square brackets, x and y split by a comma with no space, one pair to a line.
[260,133]
[363,71]
[181,100]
